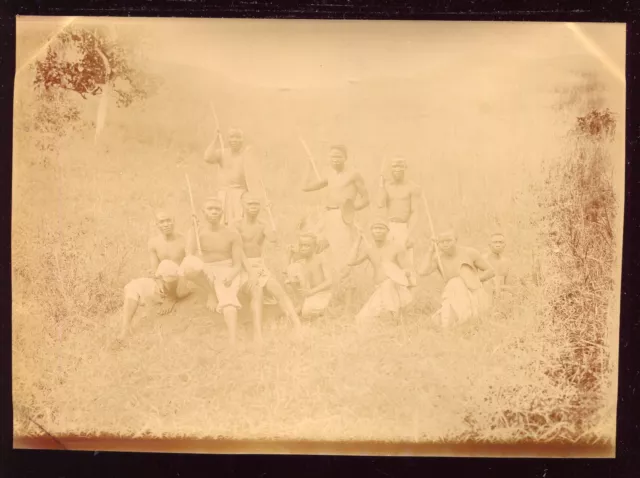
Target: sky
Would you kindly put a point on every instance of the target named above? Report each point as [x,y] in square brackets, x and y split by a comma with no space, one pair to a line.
[311,53]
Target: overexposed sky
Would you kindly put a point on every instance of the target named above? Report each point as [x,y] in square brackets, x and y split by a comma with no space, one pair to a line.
[313,53]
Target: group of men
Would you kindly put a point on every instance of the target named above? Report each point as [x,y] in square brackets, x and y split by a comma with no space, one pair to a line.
[223,254]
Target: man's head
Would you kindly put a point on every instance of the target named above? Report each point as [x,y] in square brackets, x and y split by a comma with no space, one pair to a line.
[212,210]
[398,167]
[307,243]
[337,156]
[164,222]
[497,243]
[447,240]
[251,204]
[379,229]
[236,139]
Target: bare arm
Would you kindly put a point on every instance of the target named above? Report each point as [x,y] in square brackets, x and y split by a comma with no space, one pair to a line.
[355,258]
[429,265]
[237,256]
[403,260]
[269,233]
[153,257]
[362,191]
[413,217]
[191,246]
[213,155]
[482,265]
[383,196]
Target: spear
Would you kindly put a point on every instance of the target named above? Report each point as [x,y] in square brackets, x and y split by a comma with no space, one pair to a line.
[433,232]
[193,215]
[267,207]
[310,156]
[215,117]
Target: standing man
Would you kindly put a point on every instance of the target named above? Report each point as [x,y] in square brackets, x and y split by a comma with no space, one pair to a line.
[232,181]
[464,271]
[400,198]
[219,269]
[347,194]
[501,265]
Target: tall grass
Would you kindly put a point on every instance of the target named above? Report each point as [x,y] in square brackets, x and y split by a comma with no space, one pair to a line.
[537,373]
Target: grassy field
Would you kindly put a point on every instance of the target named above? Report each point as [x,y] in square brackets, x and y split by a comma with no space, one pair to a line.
[81,222]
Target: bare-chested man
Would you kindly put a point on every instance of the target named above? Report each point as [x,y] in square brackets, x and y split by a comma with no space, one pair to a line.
[219,269]
[392,274]
[253,233]
[501,265]
[232,179]
[464,272]
[163,288]
[347,193]
[400,197]
[310,278]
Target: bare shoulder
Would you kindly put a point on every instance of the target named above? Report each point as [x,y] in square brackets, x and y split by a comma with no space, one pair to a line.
[415,187]
[235,226]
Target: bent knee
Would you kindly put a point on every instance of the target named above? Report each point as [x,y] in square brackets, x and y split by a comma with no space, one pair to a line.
[131,291]
[191,265]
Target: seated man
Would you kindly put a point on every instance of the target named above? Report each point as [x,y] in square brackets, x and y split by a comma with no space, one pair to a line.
[218,269]
[392,274]
[501,265]
[253,233]
[463,270]
[310,278]
[163,288]
[168,245]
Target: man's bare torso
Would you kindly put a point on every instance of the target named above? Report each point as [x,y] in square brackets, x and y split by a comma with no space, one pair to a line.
[314,270]
[399,201]
[453,264]
[173,250]
[232,172]
[501,266]
[386,253]
[217,245]
[341,187]
[252,237]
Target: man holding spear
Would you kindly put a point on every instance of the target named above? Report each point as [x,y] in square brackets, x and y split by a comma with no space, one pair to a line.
[232,180]
[347,194]
[400,197]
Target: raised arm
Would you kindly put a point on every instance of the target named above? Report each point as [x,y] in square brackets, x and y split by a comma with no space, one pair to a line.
[482,265]
[269,232]
[212,154]
[363,201]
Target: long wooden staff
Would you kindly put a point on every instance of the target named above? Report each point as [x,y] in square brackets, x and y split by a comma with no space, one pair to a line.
[310,156]
[193,215]
[433,232]
[215,117]
[267,207]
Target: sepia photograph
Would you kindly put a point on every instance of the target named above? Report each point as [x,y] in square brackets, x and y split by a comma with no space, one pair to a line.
[317,236]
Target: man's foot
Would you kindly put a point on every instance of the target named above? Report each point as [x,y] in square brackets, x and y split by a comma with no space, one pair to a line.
[166,306]
[212,302]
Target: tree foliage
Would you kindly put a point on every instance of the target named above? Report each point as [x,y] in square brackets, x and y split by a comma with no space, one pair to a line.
[84,62]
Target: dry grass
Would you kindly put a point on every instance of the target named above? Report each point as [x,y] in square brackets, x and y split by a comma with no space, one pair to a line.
[84,218]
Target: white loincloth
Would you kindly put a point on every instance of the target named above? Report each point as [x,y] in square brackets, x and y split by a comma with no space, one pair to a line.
[146,290]
[389,297]
[459,304]
[316,304]
[260,269]
[231,198]
[216,272]
[341,237]
[398,234]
